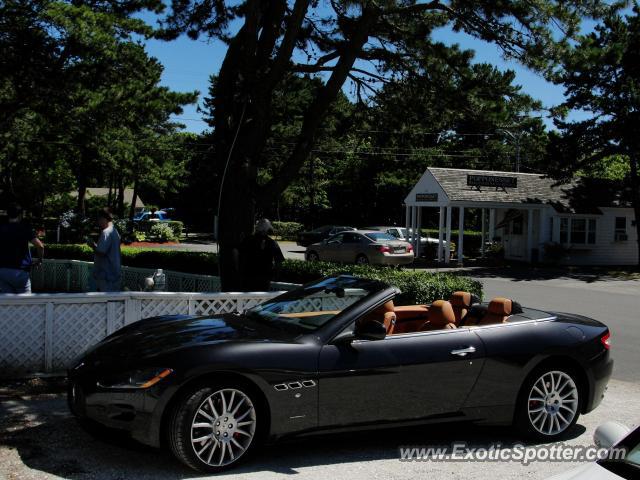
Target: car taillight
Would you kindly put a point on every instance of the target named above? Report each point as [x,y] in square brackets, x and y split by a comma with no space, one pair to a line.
[409,248]
[384,249]
[606,340]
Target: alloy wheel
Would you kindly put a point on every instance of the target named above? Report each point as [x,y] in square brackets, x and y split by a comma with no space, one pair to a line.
[223,427]
[552,403]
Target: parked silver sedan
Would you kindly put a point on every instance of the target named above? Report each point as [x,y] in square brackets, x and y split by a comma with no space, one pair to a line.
[362,247]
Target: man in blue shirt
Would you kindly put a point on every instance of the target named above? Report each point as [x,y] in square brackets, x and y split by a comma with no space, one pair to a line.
[106,263]
[15,256]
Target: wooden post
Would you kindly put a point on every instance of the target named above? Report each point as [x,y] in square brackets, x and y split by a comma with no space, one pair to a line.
[460,234]
[448,249]
[441,234]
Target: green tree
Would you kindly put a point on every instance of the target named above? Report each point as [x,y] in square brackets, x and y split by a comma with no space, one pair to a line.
[602,77]
[94,99]
[275,38]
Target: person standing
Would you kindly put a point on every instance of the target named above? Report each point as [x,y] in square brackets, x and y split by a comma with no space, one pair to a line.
[15,255]
[260,258]
[106,261]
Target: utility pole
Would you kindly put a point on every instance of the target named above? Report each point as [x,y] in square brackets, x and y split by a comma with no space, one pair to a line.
[517,138]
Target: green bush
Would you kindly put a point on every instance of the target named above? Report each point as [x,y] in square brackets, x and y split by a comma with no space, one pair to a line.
[162,232]
[146,226]
[189,262]
[416,286]
[287,230]
[177,227]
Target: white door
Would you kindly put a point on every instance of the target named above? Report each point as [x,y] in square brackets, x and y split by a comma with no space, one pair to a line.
[515,242]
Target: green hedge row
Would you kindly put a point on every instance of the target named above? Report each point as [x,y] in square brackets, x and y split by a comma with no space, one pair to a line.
[416,286]
[287,230]
[179,261]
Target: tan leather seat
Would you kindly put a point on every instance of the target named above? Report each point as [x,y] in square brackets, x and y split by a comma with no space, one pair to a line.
[498,311]
[441,316]
[384,314]
[460,301]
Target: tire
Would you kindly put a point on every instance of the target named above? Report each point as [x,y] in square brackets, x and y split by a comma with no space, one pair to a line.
[213,428]
[313,257]
[362,260]
[549,404]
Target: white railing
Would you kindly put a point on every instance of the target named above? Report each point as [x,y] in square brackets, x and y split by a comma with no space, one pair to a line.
[75,276]
[44,332]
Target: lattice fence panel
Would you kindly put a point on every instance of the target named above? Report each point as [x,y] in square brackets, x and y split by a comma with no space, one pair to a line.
[133,278]
[22,330]
[119,323]
[157,307]
[76,327]
[251,302]
[214,306]
[80,276]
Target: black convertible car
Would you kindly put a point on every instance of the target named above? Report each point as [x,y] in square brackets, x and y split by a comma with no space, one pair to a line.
[338,354]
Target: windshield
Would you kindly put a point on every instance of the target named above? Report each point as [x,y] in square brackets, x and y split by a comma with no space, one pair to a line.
[626,465]
[308,308]
[376,237]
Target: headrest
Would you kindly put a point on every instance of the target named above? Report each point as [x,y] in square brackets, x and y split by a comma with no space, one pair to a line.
[441,313]
[500,306]
[460,299]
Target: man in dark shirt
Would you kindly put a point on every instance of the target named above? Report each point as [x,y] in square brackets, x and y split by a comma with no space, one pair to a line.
[15,256]
[260,258]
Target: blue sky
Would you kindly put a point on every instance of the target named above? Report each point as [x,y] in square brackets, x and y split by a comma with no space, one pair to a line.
[188,65]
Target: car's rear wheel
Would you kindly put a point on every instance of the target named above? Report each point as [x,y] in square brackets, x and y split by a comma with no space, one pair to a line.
[362,260]
[213,429]
[549,404]
[313,257]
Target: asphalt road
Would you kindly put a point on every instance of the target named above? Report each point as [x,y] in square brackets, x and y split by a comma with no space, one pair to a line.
[40,440]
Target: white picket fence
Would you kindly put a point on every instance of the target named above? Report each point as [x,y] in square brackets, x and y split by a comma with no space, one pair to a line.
[75,276]
[44,332]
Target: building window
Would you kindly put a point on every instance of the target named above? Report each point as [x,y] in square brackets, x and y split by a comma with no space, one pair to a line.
[621,229]
[578,231]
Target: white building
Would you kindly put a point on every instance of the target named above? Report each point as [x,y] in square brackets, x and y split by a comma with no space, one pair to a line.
[528,213]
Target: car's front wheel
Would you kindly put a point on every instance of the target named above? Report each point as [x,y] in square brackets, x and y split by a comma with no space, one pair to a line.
[313,257]
[212,429]
[550,404]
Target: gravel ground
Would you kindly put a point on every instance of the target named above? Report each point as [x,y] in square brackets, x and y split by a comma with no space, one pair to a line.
[40,440]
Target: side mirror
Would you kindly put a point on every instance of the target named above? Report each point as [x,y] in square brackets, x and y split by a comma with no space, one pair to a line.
[371,331]
[609,433]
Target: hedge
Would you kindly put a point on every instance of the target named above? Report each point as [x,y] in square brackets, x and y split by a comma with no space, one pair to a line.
[180,261]
[416,286]
[287,230]
[146,226]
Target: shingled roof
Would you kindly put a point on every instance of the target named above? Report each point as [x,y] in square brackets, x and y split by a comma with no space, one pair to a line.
[577,196]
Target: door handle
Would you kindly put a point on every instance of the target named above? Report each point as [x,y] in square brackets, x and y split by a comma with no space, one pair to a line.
[463,351]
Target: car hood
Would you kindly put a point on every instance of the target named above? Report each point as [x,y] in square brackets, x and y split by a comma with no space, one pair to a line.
[161,335]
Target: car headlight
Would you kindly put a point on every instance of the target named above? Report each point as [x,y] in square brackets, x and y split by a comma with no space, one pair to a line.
[136,379]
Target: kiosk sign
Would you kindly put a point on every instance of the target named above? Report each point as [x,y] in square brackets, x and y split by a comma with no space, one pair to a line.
[491,181]
[426,197]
